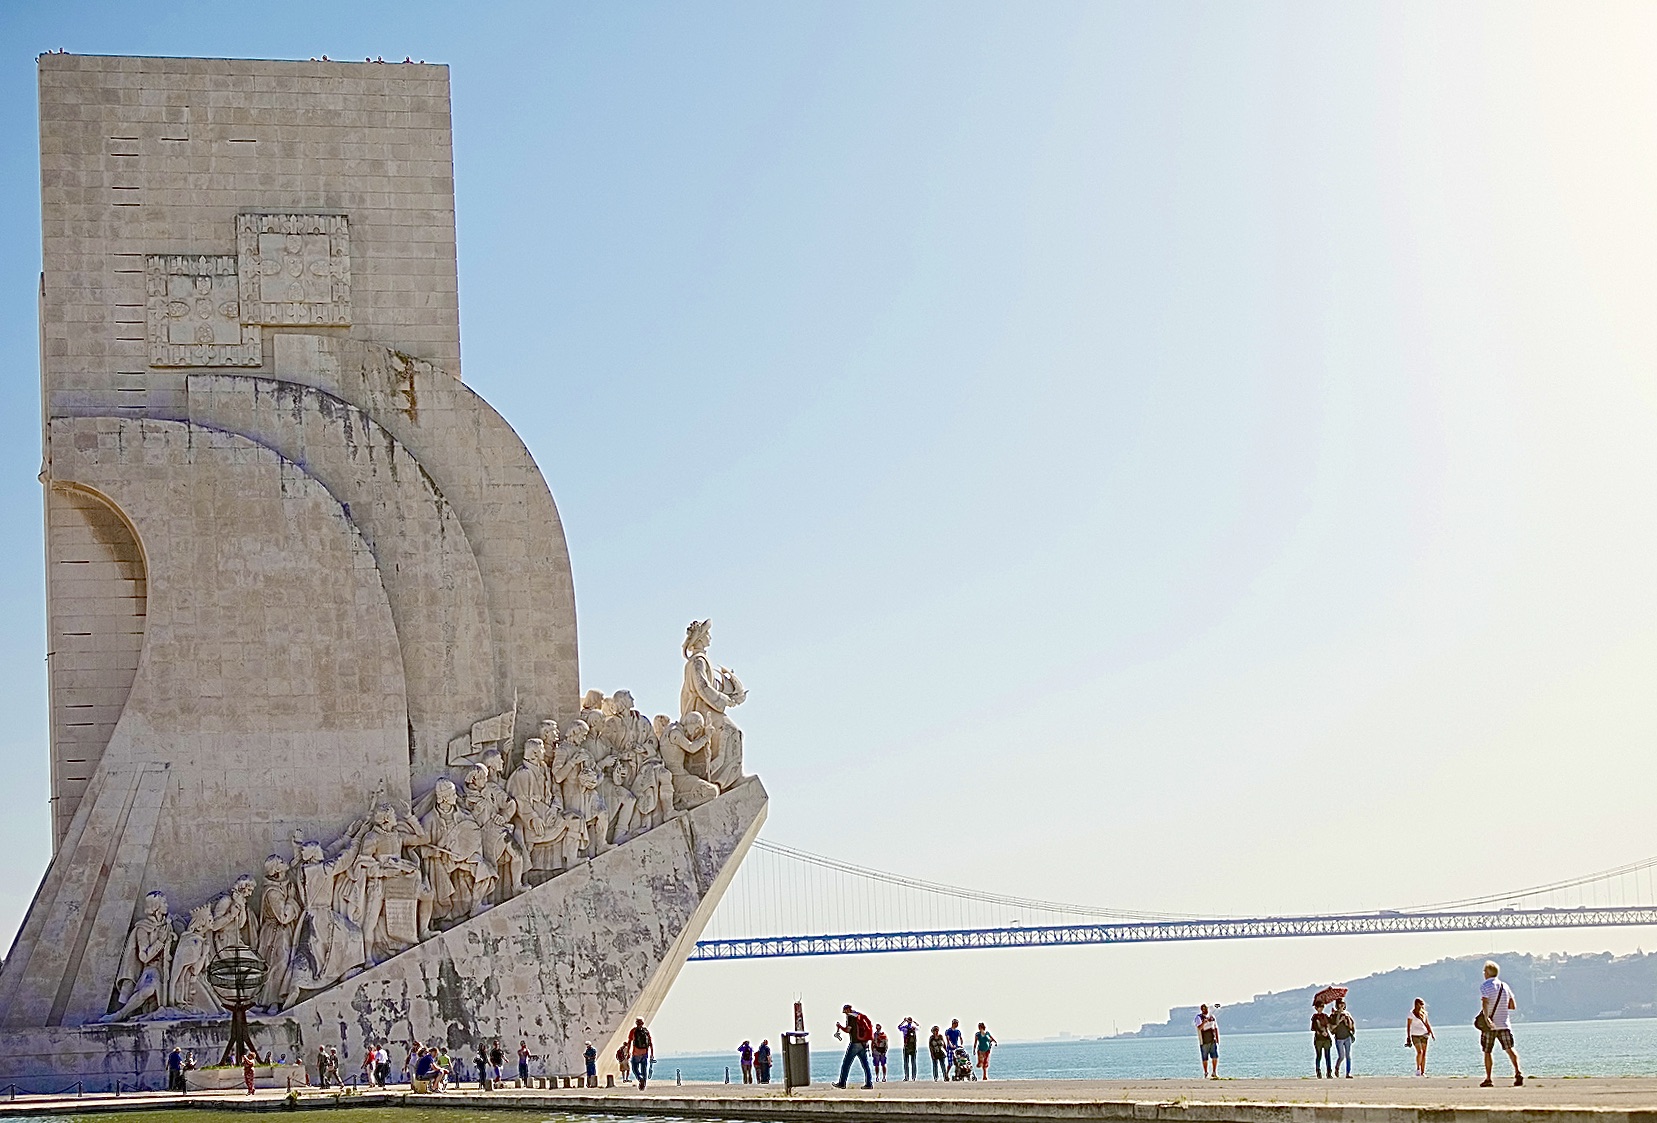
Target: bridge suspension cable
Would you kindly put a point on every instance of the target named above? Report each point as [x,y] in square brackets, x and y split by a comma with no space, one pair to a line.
[788,901]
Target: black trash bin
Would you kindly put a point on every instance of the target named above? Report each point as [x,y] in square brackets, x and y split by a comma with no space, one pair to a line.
[796,1061]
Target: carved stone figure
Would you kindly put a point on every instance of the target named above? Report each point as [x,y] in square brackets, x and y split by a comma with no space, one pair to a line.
[496,764]
[653,787]
[328,944]
[146,963]
[711,691]
[386,890]
[232,924]
[278,922]
[583,805]
[489,804]
[451,856]
[631,732]
[685,749]
[570,753]
[539,812]
[618,802]
[190,992]
[592,708]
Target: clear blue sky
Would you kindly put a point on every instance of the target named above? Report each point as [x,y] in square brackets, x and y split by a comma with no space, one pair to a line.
[1174,456]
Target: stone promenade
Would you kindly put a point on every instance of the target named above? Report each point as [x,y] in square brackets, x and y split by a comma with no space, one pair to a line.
[1378,1100]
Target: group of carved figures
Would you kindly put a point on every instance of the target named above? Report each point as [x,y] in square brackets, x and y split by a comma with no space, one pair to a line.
[396,876]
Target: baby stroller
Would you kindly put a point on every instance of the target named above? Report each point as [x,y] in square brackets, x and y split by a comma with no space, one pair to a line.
[960,1064]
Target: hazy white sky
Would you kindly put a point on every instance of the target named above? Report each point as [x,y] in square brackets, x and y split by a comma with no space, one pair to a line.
[1183,457]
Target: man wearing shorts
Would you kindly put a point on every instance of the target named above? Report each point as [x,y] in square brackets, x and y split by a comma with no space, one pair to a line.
[1495,1000]
[1208,1041]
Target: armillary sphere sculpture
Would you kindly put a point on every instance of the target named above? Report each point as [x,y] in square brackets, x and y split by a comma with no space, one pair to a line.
[237,976]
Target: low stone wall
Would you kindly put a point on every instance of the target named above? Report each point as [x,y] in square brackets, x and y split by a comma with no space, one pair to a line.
[125,1056]
[230,1076]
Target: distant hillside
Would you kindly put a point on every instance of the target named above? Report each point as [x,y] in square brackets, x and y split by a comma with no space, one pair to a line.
[1555,988]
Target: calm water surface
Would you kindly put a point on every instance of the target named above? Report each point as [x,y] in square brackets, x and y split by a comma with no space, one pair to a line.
[1622,1047]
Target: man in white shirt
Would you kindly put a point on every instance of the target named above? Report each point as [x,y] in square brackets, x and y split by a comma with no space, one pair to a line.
[1496,1000]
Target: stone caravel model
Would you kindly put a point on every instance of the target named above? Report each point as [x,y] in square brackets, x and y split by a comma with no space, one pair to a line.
[315,707]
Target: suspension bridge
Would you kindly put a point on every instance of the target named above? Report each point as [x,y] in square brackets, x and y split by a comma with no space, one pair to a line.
[853,910]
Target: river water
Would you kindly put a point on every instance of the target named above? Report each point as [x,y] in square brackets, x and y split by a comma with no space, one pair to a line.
[1613,1047]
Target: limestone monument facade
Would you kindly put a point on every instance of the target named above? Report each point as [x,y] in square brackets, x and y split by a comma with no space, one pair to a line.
[315,698]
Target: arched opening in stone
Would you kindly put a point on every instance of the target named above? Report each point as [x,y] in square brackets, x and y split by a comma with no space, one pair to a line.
[97,590]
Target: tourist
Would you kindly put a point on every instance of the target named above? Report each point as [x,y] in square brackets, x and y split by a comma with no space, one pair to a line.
[982,1042]
[1343,1029]
[249,1059]
[483,1067]
[952,1035]
[1417,1029]
[878,1045]
[1321,1042]
[940,1055]
[333,1067]
[425,1064]
[496,1059]
[590,1056]
[175,1070]
[911,1040]
[321,1066]
[762,1061]
[623,1057]
[1208,1041]
[859,1030]
[644,1051]
[523,1062]
[189,1067]
[1495,1001]
[745,1055]
[444,1064]
[382,1065]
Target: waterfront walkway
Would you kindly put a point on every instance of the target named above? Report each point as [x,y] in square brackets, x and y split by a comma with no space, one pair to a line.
[1371,1100]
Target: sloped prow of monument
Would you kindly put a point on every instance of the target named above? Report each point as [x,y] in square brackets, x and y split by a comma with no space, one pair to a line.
[721,832]
[573,959]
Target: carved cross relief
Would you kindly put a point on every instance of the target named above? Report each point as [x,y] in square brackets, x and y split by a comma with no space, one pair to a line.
[206,310]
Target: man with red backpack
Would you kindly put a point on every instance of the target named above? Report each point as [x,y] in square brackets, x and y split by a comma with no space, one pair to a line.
[861,1031]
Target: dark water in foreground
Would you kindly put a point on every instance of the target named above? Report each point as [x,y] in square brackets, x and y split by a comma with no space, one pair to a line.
[1620,1047]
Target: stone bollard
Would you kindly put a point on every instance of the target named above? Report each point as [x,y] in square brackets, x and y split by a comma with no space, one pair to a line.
[609,1080]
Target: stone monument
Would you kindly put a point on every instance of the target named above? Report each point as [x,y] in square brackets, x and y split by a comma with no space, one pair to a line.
[317,731]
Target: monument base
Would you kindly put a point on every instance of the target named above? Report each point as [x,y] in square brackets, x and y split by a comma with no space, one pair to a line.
[130,1056]
[218,1079]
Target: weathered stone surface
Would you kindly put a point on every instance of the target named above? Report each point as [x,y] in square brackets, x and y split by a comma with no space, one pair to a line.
[270,691]
[578,957]
[487,475]
[432,582]
[575,958]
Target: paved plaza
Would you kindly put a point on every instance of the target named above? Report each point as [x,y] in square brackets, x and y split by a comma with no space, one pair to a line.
[1374,1100]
